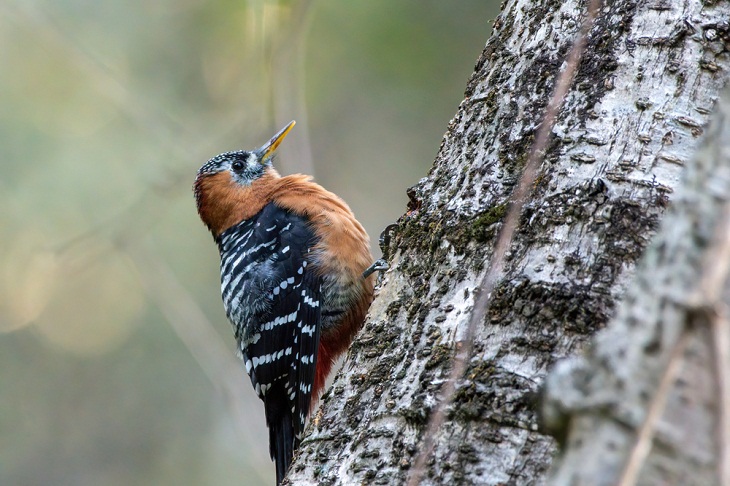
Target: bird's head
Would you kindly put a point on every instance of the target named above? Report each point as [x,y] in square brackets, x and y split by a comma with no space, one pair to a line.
[231,186]
[244,166]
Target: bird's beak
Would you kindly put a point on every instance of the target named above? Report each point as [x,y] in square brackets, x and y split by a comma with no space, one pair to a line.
[268,149]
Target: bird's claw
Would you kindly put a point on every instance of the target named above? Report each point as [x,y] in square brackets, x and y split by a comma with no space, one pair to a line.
[380,265]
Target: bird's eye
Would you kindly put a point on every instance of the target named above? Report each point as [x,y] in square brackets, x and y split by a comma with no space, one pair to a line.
[237,165]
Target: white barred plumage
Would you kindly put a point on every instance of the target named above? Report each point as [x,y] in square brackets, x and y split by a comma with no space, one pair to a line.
[292,263]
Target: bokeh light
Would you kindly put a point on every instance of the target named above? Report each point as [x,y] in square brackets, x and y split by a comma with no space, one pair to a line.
[115,371]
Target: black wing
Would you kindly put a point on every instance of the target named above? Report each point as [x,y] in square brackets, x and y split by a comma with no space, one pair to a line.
[274,298]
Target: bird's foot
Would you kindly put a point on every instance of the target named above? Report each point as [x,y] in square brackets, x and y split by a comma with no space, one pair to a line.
[380,265]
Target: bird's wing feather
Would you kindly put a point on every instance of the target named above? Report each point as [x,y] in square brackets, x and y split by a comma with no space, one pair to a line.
[280,336]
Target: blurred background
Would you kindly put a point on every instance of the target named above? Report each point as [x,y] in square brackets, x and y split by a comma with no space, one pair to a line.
[117,364]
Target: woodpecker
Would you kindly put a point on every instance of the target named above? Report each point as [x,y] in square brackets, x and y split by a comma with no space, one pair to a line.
[294,279]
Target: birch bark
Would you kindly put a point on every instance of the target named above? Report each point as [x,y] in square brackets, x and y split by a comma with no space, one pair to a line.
[631,121]
[649,402]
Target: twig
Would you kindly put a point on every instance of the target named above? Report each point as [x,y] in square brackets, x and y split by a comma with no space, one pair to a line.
[704,308]
[716,265]
[504,240]
[645,437]
[167,131]
[100,75]
[720,332]
[197,333]
[709,295]
[289,77]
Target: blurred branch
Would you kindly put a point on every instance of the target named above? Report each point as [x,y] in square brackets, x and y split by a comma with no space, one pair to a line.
[721,347]
[709,296]
[645,438]
[141,111]
[289,82]
[198,335]
[705,309]
[169,132]
[504,240]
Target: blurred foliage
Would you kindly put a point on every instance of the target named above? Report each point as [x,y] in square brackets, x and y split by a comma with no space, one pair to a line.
[117,371]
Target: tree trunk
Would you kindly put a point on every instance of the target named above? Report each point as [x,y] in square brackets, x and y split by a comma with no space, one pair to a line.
[632,118]
[649,402]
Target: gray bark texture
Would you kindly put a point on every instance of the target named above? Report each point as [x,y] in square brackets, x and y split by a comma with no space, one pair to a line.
[648,403]
[634,115]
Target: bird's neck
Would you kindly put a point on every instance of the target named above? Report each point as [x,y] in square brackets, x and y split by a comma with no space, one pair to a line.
[223,202]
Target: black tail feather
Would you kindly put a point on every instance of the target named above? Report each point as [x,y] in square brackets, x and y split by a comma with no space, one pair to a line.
[281,442]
